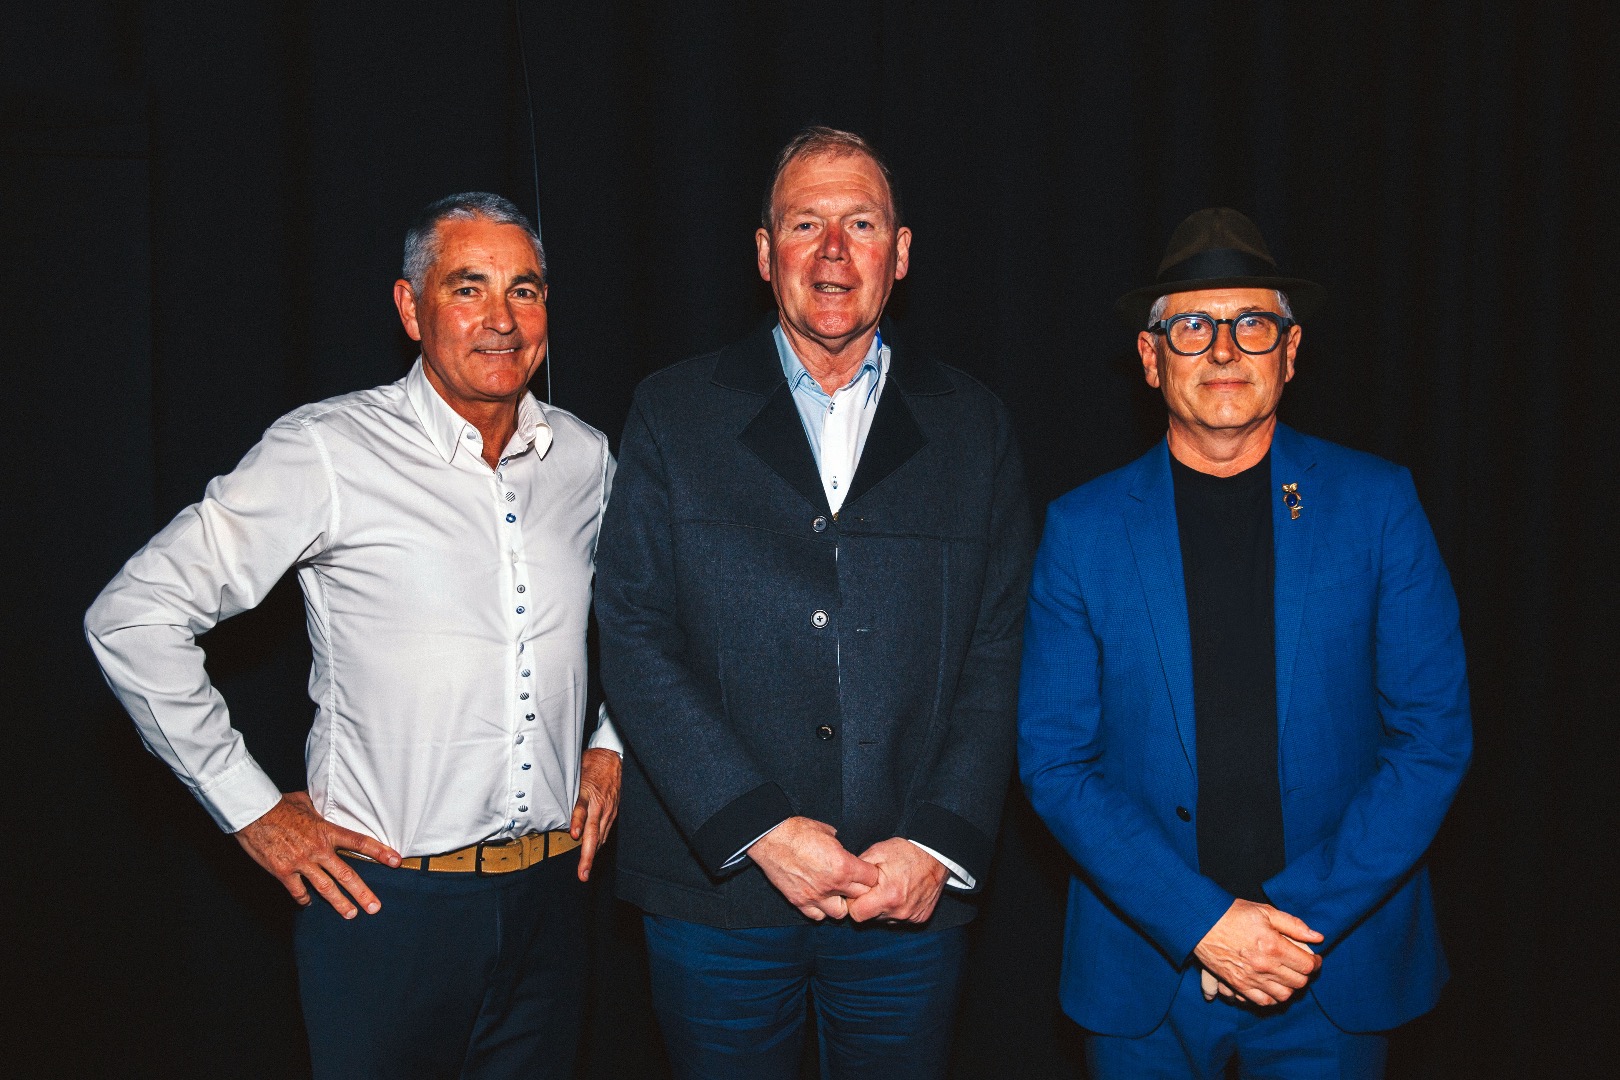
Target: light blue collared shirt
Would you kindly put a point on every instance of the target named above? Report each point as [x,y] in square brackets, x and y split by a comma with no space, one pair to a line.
[836,424]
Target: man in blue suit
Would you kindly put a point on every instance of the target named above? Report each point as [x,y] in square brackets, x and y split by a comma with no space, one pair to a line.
[1244,707]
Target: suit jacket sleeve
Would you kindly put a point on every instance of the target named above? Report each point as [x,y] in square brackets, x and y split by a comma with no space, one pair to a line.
[1422,685]
[1119,845]
[671,719]
[959,802]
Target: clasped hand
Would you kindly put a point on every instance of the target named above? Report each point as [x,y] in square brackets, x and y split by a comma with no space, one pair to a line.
[1258,953]
[893,879]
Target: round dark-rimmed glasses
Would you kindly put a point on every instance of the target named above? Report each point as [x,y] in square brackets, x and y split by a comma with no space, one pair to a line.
[1193,332]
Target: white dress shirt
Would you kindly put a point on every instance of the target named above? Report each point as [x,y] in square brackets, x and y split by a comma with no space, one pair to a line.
[446,603]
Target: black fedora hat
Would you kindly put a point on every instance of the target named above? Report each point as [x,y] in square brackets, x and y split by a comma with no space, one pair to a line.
[1218,248]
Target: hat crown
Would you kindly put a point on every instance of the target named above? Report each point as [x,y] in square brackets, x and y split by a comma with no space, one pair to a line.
[1218,228]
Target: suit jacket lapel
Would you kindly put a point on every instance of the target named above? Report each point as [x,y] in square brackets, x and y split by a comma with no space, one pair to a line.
[1156,546]
[1291,463]
[776,435]
[890,442]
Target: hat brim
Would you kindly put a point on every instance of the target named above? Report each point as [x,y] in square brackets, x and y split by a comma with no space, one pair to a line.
[1305,297]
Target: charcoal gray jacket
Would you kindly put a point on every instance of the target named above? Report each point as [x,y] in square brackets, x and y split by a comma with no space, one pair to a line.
[763,659]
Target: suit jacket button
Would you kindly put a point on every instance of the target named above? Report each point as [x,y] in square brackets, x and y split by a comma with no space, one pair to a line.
[818,618]
[1183,813]
[820,524]
[824,732]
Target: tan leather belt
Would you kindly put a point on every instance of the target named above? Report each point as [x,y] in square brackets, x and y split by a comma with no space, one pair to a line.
[493,856]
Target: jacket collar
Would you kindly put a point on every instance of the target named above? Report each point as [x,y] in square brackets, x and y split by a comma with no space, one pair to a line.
[776,436]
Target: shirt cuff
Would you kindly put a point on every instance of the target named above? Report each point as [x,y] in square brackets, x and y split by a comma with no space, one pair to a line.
[606,736]
[243,795]
[743,853]
[959,879]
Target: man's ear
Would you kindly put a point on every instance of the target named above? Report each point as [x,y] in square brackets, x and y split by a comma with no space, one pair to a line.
[762,251]
[902,252]
[405,301]
[1147,347]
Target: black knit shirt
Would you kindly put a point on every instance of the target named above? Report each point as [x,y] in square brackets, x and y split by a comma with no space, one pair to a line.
[1227,558]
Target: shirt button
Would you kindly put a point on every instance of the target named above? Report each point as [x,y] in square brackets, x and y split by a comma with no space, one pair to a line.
[824,732]
[523,696]
[1183,813]
[818,618]
[519,738]
[521,794]
[511,517]
[524,673]
[523,809]
[820,524]
[525,766]
[521,609]
[529,717]
[523,588]
[470,436]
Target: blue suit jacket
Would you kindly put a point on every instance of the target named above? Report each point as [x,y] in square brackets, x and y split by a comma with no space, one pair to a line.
[1373,734]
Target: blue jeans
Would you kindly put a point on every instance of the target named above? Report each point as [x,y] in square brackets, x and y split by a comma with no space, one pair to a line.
[1294,1041]
[459,975]
[731,1003]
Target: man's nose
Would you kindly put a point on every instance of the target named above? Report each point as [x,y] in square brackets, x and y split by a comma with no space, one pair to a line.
[832,244]
[498,315]
[1224,350]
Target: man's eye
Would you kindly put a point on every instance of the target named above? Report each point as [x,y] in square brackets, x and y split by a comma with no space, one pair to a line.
[863,225]
[1250,322]
[1194,324]
[466,290]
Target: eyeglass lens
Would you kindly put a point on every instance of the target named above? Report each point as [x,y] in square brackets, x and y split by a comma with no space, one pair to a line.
[1254,332]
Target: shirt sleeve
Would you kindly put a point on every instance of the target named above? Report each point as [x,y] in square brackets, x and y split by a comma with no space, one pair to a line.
[960,878]
[217,558]
[606,737]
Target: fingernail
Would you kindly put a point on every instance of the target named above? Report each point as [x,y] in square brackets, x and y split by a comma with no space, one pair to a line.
[351,913]
[373,907]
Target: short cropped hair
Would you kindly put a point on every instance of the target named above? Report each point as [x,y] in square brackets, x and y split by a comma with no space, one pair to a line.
[1157,311]
[820,139]
[422,238]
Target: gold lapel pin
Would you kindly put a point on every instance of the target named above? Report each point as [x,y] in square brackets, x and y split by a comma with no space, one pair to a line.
[1291,500]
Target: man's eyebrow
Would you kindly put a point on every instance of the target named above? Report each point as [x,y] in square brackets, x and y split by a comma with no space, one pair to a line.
[527,277]
[465,274]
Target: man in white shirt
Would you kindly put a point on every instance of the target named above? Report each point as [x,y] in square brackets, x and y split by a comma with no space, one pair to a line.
[444,530]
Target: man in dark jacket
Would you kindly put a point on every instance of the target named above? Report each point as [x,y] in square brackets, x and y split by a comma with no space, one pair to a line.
[810,588]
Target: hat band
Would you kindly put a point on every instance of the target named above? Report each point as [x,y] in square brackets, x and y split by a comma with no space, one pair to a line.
[1217,263]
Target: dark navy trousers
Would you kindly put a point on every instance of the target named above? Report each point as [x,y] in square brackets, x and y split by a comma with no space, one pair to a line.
[1198,1039]
[731,1003]
[459,975]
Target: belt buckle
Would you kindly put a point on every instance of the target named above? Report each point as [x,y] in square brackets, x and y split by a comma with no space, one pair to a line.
[478,854]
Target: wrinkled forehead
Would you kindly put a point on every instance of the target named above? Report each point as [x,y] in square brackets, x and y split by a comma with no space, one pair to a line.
[1221,302]
[807,172]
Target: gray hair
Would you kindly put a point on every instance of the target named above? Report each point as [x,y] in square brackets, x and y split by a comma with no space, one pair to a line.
[422,238]
[1157,311]
[820,139]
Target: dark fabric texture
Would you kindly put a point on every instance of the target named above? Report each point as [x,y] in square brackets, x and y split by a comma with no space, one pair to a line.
[867,669]
[457,977]
[732,1003]
[1224,523]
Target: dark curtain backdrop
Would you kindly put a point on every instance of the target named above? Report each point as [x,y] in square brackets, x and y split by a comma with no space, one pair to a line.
[202,210]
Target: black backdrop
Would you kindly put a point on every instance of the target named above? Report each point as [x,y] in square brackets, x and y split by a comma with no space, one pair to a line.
[203,205]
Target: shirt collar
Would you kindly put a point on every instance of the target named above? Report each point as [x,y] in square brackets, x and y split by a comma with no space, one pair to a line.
[447,429]
[793,369]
